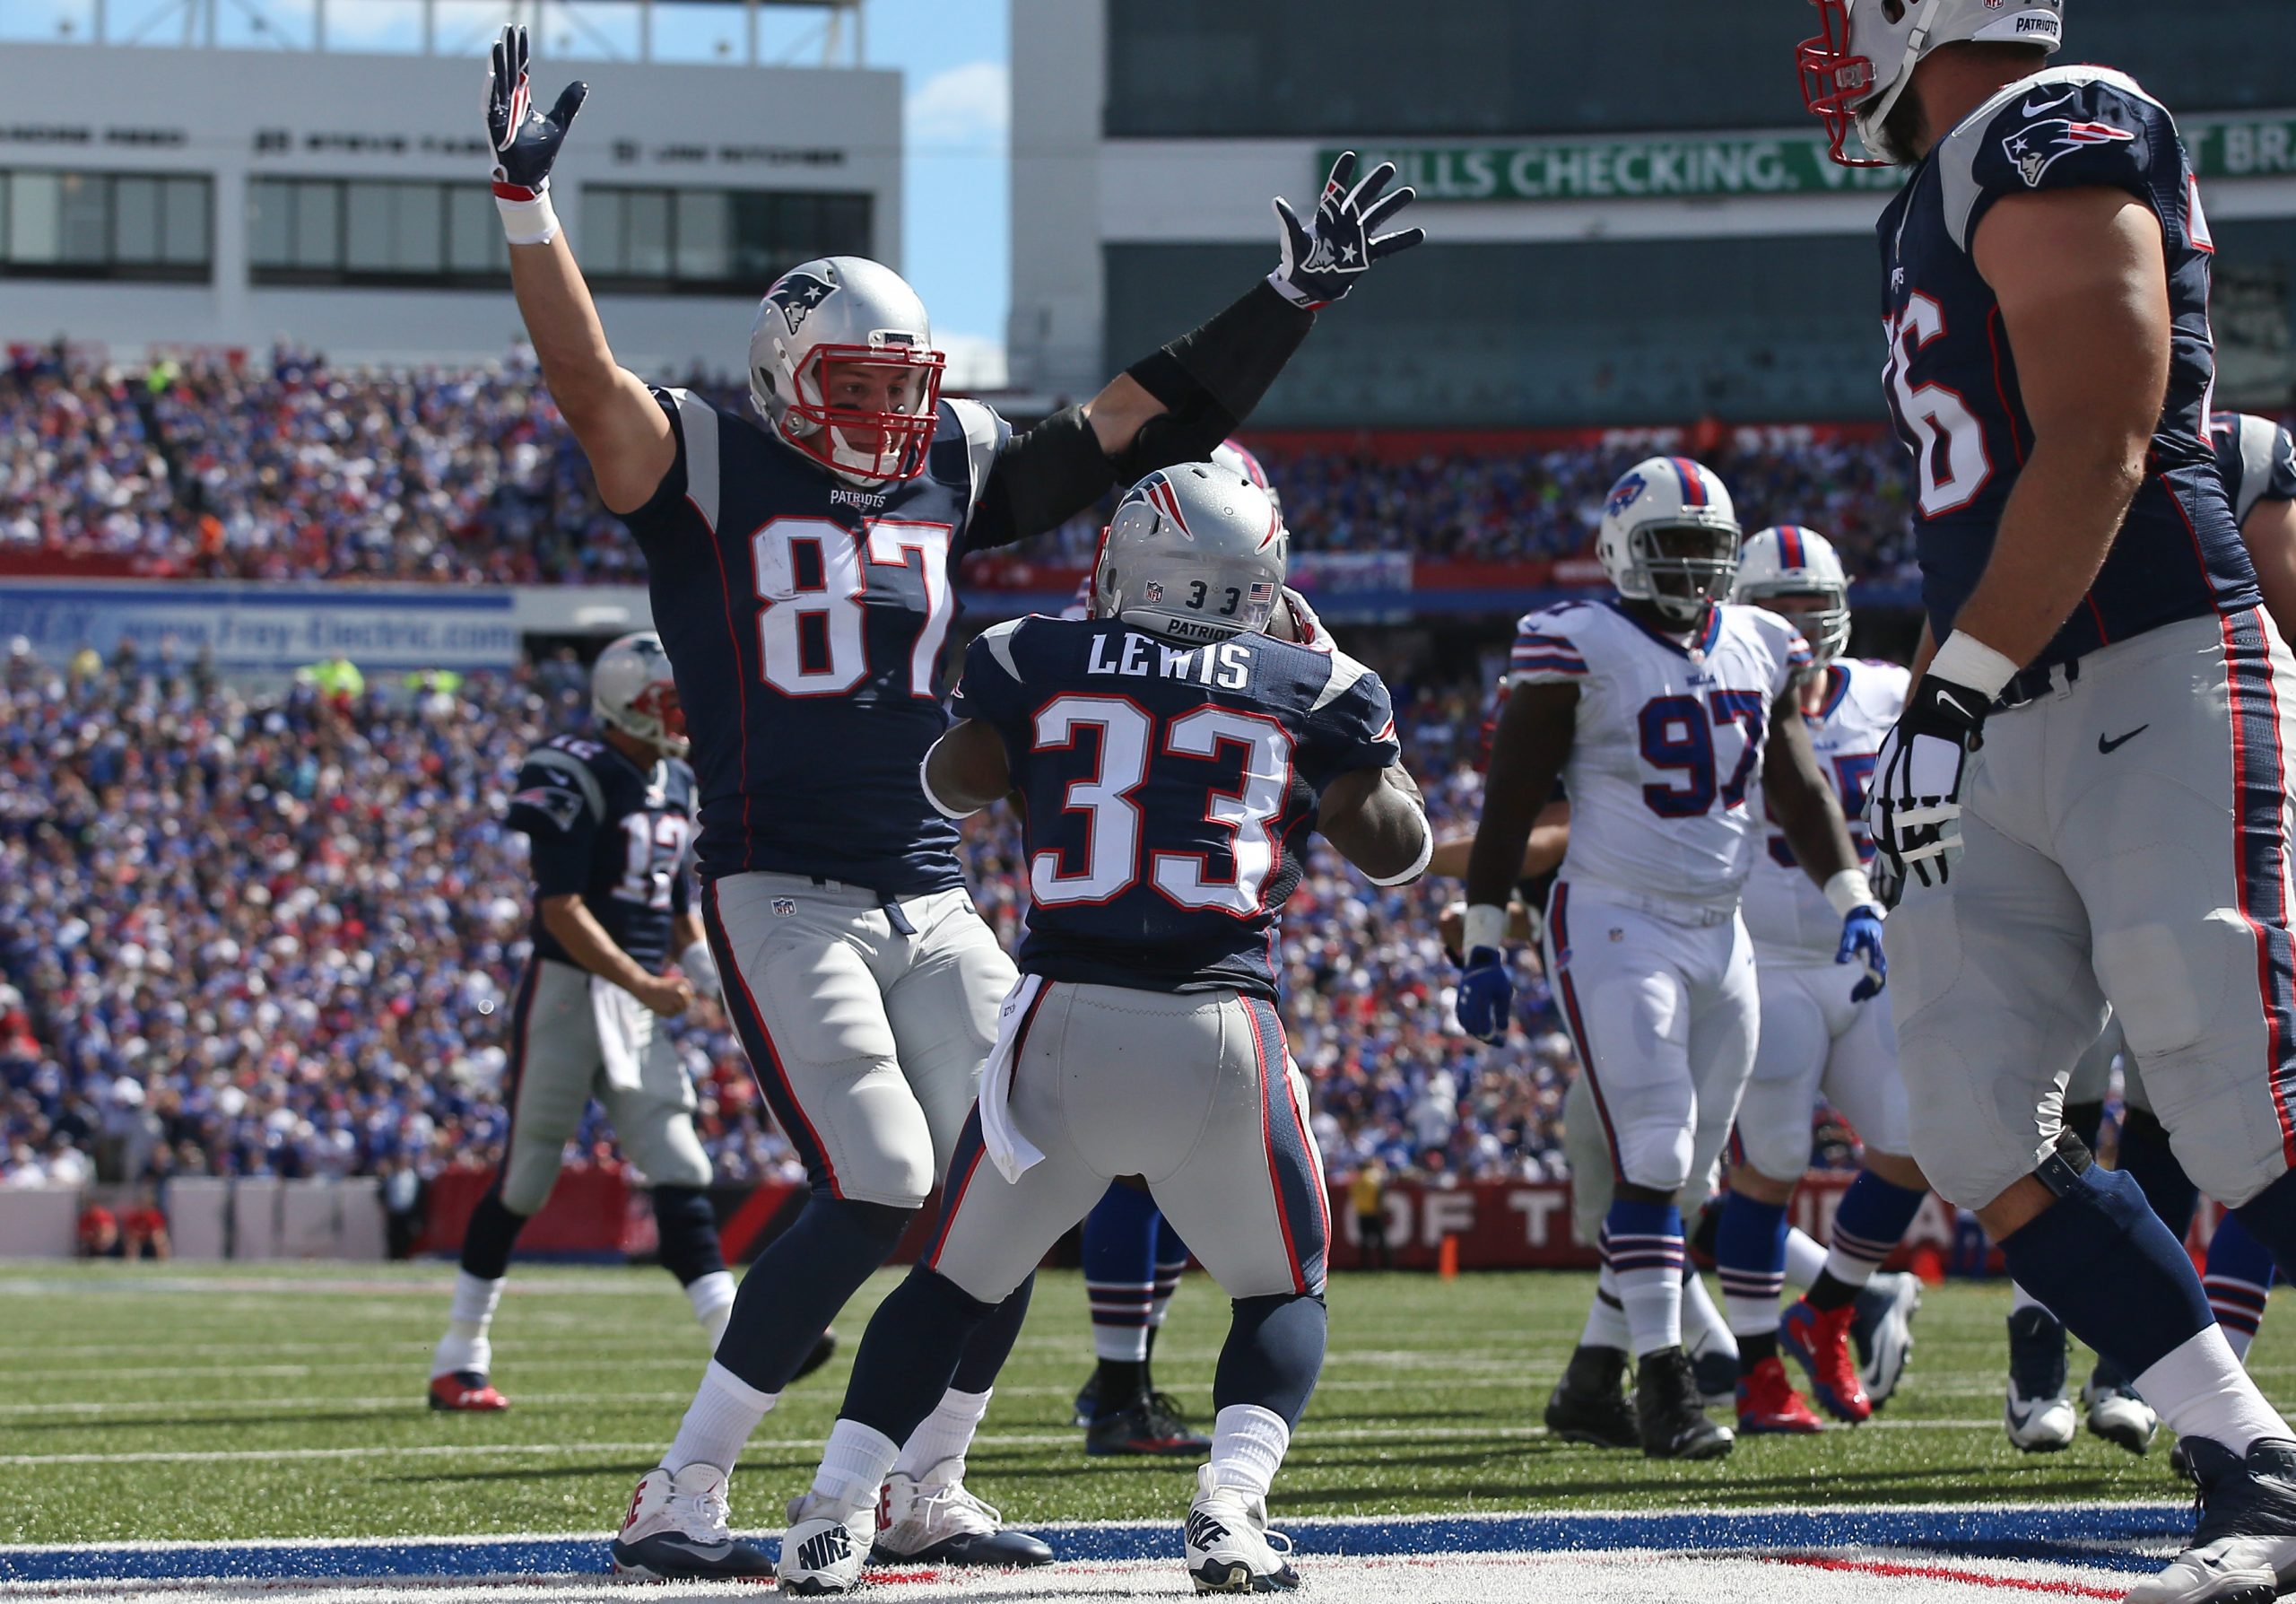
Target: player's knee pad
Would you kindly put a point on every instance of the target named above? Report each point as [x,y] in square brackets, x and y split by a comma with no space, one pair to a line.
[1654,1150]
[1780,1152]
[688,1228]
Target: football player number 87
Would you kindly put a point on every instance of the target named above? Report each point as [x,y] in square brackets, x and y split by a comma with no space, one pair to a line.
[1111,862]
[810,576]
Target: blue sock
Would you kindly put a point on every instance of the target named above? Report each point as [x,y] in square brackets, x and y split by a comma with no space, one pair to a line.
[1273,1354]
[492,1232]
[991,1342]
[1872,1219]
[688,1228]
[2101,1261]
[2237,1275]
[2271,1218]
[1119,1252]
[1644,1248]
[2146,1159]
[1749,1255]
[798,1284]
[912,1351]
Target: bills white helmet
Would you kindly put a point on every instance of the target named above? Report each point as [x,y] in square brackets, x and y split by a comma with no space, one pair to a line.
[1858,63]
[631,690]
[842,366]
[1669,536]
[1790,560]
[1196,551]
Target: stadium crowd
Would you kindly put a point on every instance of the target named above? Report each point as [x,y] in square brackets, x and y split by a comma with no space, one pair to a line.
[288,469]
[279,936]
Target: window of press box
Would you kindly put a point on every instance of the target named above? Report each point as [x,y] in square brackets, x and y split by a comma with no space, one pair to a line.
[714,241]
[147,226]
[363,231]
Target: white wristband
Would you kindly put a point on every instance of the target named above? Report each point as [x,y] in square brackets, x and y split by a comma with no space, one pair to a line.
[1967,660]
[528,221]
[1850,890]
[1485,925]
[700,967]
[1418,864]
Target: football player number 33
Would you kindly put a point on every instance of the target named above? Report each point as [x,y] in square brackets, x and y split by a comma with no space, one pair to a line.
[1111,862]
[811,575]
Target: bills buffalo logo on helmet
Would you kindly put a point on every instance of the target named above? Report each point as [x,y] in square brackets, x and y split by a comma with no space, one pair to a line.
[2035,149]
[1622,495]
[798,295]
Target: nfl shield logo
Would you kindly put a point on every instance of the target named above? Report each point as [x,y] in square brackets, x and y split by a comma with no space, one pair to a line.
[785,906]
[1155,590]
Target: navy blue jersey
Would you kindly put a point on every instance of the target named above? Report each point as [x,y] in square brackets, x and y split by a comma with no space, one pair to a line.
[1168,792]
[616,834]
[2256,459]
[1953,379]
[806,621]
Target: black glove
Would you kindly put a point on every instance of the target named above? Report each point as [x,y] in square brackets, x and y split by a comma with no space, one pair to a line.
[1914,811]
[526,143]
[1321,263]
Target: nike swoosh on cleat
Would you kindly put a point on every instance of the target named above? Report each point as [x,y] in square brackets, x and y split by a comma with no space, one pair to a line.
[2104,745]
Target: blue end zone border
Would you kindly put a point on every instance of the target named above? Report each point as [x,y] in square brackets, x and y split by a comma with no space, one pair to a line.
[2105,1536]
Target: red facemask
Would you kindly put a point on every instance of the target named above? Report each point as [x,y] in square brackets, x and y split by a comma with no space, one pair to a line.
[1834,81]
[869,443]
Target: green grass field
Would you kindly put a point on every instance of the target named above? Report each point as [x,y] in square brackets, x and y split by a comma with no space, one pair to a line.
[158,1401]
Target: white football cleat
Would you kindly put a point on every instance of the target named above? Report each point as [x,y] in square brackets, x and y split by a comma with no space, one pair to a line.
[2117,1414]
[826,1545]
[2244,1549]
[676,1529]
[1882,1331]
[2040,1424]
[2039,1416]
[932,1517]
[1227,1545]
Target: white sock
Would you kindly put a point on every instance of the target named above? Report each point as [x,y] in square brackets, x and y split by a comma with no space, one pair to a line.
[1806,1260]
[2238,1342]
[1653,1300]
[1120,1343]
[465,1346]
[1606,1320]
[725,1410]
[1704,1331]
[712,1297]
[853,1465]
[1156,1310]
[2200,1389]
[944,1435]
[2019,1298]
[1247,1444]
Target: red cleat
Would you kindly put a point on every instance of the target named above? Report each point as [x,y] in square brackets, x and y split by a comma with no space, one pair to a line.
[1819,1343]
[467,1392]
[1767,1405]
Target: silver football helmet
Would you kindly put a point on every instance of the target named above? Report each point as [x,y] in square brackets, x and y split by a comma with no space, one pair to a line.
[1669,536]
[1195,553]
[843,365]
[1791,559]
[1864,53]
[631,690]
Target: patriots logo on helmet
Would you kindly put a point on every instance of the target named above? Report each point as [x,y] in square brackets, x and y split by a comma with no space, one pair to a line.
[1622,495]
[798,295]
[2036,148]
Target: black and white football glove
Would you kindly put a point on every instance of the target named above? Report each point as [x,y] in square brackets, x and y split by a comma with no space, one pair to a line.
[525,142]
[1914,810]
[1323,258]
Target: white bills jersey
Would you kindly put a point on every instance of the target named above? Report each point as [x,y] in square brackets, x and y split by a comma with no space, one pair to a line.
[1786,912]
[1669,741]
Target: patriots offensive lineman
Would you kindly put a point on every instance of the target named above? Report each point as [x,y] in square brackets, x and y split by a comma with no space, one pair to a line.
[610,820]
[2258,461]
[2086,793]
[1172,758]
[1817,1037]
[1657,708]
[800,570]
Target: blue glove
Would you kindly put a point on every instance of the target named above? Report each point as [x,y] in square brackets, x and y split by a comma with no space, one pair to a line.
[1321,259]
[1486,994]
[1861,944]
[525,142]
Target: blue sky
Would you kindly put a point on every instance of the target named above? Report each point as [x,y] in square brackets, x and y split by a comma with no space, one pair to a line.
[952,54]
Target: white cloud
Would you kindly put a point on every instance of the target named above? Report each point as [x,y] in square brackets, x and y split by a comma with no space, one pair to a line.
[968,105]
